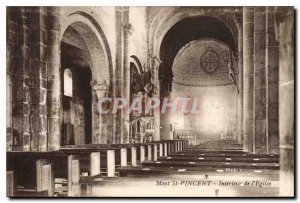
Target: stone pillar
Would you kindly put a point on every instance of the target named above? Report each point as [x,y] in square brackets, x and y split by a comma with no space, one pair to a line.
[18,95]
[260,144]
[119,71]
[102,91]
[38,74]
[9,127]
[166,131]
[123,69]
[248,78]
[240,87]
[126,79]
[53,75]
[285,37]
[272,72]
[11,70]
[155,80]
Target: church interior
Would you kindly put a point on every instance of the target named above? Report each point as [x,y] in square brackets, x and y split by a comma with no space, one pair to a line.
[237,62]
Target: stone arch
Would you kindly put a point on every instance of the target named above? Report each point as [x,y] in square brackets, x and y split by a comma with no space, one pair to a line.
[97,44]
[100,63]
[169,16]
[135,60]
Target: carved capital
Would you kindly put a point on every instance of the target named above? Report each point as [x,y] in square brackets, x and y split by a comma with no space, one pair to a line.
[128,28]
[155,62]
[101,88]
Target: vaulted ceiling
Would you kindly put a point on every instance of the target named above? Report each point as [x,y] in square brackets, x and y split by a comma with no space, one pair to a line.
[185,31]
[74,49]
[202,63]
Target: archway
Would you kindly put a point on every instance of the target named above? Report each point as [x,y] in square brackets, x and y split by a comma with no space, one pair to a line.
[85,52]
[182,34]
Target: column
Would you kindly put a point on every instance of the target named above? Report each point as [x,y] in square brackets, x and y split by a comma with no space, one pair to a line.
[39,79]
[126,73]
[165,120]
[18,95]
[285,37]
[239,121]
[156,112]
[272,70]
[248,78]
[259,137]
[11,46]
[102,90]
[53,76]
[119,72]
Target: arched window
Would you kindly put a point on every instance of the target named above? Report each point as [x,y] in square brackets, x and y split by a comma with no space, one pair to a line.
[68,83]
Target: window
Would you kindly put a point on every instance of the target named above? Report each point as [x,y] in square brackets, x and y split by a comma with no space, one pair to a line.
[68,83]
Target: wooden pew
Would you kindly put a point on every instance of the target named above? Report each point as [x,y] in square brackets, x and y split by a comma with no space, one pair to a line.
[66,162]
[142,153]
[161,150]
[95,163]
[10,184]
[44,177]
[73,176]
[123,156]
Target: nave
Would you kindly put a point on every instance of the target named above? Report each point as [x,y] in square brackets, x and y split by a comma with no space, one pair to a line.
[211,169]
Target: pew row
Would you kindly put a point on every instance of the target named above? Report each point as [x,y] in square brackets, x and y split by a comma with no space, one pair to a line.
[73,170]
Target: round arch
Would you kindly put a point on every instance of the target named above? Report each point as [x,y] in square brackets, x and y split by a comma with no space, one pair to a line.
[97,44]
[134,59]
[167,17]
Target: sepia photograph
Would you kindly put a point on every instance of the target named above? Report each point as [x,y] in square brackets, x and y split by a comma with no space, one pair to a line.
[150,101]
